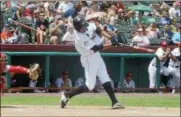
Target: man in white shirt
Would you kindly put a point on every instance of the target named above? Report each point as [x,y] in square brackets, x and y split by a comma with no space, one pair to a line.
[174,68]
[129,84]
[174,11]
[162,53]
[64,81]
[68,36]
[140,39]
[66,8]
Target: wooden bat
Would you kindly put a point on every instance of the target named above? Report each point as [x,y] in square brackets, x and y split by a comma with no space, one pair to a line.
[139,48]
[21,24]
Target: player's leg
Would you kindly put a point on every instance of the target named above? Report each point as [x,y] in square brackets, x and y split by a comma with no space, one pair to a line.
[23,70]
[177,78]
[106,82]
[2,84]
[152,76]
[90,74]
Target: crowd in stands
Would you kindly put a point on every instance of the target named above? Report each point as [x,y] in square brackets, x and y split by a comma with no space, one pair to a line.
[53,21]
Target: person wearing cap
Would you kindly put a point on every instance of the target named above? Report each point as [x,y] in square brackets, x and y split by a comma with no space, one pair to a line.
[174,68]
[163,54]
[140,39]
[176,36]
[129,84]
[64,81]
[56,31]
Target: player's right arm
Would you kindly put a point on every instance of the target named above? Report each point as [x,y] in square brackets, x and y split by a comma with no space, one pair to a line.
[161,56]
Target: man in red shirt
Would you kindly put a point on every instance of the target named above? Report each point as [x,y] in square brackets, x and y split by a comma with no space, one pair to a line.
[6,34]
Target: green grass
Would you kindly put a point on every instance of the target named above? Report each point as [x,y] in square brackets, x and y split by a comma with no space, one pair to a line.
[97,100]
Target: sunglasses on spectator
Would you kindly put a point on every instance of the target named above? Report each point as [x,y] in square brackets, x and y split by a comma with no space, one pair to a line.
[42,15]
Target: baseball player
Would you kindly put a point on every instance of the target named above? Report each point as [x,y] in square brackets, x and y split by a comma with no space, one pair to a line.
[2,84]
[162,53]
[174,68]
[32,71]
[92,62]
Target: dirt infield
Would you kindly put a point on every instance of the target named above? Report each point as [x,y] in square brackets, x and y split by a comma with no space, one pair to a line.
[22,110]
[86,111]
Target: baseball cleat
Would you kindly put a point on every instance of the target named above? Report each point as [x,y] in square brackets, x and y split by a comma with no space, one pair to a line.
[64,100]
[117,105]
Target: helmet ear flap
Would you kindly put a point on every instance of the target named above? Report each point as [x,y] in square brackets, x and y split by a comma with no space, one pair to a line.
[80,24]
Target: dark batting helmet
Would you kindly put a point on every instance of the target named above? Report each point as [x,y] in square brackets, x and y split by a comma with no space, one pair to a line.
[80,24]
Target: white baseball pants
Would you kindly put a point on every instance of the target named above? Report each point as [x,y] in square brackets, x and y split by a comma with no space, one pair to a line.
[152,74]
[175,81]
[94,66]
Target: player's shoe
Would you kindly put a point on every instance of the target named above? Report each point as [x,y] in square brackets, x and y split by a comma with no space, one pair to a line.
[64,100]
[33,74]
[117,105]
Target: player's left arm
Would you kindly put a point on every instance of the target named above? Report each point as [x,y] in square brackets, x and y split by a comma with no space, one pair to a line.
[171,55]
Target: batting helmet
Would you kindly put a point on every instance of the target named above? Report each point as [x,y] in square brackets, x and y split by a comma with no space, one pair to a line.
[80,24]
[164,43]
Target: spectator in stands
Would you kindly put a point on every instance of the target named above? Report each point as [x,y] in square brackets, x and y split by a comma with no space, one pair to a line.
[42,26]
[169,31]
[84,8]
[153,31]
[174,11]
[66,9]
[64,81]
[68,36]
[9,37]
[140,39]
[56,30]
[165,20]
[94,8]
[28,13]
[79,82]
[129,84]
[176,36]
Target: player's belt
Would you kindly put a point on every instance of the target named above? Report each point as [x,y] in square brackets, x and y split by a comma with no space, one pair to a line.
[175,66]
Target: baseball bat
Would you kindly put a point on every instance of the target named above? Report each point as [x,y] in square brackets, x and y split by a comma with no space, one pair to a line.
[21,24]
[139,48]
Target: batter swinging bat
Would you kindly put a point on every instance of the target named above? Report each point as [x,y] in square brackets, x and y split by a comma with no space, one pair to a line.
[139,48]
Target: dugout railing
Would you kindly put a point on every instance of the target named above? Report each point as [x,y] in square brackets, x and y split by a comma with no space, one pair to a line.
[48,55]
